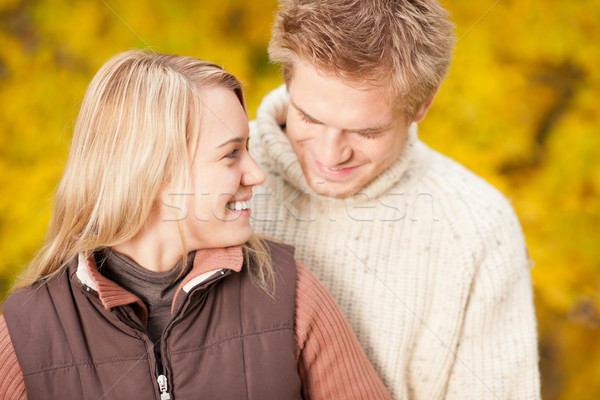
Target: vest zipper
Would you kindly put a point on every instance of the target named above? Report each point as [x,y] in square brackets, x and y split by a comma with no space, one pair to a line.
[178,315]
[162,384]
[162,378]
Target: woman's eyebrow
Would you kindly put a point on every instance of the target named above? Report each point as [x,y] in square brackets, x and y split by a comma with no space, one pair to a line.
[238,139]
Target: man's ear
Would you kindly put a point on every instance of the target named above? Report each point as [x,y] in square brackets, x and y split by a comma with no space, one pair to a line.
[422,111]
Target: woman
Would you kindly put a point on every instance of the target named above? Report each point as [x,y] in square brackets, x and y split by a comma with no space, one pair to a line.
[151,284]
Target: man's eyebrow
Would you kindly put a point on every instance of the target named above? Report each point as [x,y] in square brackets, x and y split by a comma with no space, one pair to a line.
[372,129]
[306,115]
[238,139]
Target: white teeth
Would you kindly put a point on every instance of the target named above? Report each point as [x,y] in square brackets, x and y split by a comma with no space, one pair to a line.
[238,205]
[333,169]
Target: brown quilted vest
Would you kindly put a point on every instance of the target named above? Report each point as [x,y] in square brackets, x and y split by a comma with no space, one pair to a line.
[228,340]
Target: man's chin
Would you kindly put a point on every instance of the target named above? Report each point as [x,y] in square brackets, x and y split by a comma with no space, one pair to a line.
[328,189]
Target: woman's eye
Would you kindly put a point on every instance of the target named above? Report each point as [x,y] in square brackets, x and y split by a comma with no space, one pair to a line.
[233,154]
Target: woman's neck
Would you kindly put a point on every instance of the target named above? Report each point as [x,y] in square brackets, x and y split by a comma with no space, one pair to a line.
[157,247]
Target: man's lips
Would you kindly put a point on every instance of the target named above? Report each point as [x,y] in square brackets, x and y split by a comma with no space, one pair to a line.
[334,172]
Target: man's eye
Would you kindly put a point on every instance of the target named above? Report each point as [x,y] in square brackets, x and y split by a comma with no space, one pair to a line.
[370,135]
[306,120]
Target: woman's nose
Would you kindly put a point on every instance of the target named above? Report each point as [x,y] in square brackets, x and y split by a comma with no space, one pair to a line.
[253,174]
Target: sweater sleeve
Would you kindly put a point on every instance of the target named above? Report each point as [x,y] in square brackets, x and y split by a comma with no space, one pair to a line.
[12,385]
[497,355]
[331,363]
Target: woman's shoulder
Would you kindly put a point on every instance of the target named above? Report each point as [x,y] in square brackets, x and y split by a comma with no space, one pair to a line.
[282,254]
[43,286]
[276,245]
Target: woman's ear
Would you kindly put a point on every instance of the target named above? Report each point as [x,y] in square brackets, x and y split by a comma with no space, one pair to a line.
[423,110]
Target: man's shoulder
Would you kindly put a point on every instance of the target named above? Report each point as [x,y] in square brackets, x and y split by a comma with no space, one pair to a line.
[459,191]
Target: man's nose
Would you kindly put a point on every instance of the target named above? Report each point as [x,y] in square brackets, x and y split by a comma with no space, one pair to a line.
[334,148]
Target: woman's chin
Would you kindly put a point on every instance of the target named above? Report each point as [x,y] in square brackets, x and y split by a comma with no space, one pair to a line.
[228,238]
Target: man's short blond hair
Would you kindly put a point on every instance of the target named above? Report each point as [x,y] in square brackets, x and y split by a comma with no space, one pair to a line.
[402,45]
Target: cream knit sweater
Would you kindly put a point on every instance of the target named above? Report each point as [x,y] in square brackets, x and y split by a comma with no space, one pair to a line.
[428,263]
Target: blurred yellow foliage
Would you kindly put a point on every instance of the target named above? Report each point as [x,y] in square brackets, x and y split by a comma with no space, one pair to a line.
[519,108]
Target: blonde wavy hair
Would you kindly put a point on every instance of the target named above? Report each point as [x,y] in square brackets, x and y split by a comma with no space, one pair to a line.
[131,140]
[401,45]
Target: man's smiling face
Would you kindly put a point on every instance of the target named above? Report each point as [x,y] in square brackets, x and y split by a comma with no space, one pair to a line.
[344,135]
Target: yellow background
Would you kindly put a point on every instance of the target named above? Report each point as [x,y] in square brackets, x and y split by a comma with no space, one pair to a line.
[520,107]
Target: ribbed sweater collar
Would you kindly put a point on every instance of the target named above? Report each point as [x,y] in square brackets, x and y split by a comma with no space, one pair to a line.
[279,153]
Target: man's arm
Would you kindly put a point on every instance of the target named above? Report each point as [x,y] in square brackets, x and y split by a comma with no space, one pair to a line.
[497,355]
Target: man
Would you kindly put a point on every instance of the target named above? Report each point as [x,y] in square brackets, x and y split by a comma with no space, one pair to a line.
[427,260]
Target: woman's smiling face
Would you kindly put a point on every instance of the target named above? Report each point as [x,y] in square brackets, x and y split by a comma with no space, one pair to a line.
[217,213]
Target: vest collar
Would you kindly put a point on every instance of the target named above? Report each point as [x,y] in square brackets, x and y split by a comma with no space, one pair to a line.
[271,116]
[207,263]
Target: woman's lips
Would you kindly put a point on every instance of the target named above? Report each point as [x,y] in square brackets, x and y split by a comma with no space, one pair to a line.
[240,207]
